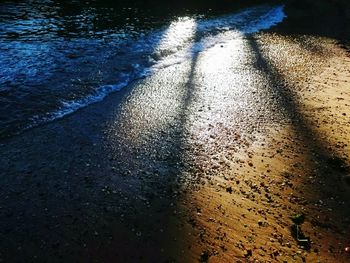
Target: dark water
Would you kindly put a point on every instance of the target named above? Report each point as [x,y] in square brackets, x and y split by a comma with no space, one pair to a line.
[58,56]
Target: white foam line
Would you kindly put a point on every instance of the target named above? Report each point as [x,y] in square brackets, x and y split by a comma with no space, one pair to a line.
[227,23]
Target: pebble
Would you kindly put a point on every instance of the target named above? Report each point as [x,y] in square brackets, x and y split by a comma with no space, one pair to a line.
[204,256]
[248,253]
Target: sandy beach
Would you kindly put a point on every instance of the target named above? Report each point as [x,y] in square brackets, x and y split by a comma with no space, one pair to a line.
[205,161]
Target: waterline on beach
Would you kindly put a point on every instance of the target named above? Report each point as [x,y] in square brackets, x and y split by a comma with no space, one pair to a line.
[57,78]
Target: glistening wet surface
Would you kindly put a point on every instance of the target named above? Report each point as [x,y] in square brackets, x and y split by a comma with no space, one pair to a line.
[55,62]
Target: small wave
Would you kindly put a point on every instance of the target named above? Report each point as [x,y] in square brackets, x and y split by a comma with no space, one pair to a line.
[69,107]
[184,38]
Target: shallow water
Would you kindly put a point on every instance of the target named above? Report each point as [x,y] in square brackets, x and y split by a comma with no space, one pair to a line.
[56,59]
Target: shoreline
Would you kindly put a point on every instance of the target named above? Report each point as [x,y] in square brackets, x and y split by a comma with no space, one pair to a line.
[97,185]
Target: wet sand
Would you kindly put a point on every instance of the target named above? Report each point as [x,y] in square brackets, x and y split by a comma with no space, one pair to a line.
[206,160]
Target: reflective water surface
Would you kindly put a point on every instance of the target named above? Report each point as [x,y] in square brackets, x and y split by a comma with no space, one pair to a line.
[57,58]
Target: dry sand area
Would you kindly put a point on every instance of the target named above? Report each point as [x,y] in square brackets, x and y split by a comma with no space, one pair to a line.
[242,213]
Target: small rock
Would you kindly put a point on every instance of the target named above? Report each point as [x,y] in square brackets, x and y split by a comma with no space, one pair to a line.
[229,190]
[204,257]
[248,253]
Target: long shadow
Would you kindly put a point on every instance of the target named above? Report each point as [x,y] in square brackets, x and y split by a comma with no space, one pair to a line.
[190,88]
[328,165]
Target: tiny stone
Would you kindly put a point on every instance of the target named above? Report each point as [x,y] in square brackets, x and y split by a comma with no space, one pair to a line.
[248,253]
